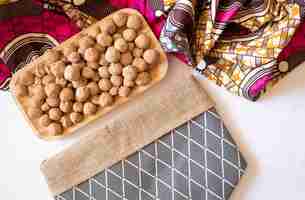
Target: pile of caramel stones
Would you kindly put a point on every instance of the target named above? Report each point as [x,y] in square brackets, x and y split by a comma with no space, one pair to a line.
[88,74]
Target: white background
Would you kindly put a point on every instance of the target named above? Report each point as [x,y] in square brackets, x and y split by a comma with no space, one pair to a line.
[270,133]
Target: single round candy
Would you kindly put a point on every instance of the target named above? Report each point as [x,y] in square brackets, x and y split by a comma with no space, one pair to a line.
[129,35]
[86,42]
[140,64]
[89,108]
[26,78]
[48,79]
[55,114]
[104,39]
[93,31]
[66,121]
[82,94]
[112,55]
[116,80]
[88,73]
[76,117]
[114,91]
[103,72]
[105,99]
[94,88]
[143,78]
[45,107]
[283,66]
[52,90]
[66,106]
[91,55]
[120,19]
[124,91]
[95,99]
[74,57]
[53,101]
[142,41]
[108,26]
[126,58]
[121,45]
[137,52]
[54,129]
[130,72]
[78,107]
[66,94]
[34,112]
[134,22]
[58,68]
[72,73]
[151,56]
[44,120]
[115,69]
[105,84]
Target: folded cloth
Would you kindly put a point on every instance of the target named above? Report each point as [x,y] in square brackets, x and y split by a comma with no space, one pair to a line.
[243,46]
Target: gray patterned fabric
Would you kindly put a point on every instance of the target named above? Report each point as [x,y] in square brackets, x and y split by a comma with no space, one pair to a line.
[197,161]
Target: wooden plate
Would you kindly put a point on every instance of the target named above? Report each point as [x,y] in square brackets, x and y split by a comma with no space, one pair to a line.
[157,73]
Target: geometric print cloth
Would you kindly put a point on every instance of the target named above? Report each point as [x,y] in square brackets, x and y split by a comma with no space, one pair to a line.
[198,160]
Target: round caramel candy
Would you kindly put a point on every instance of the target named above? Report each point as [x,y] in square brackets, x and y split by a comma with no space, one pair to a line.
[104,39]
[53,101]
[103,72]
[58,68]
[74,57]
[94,88]
[72,73]
[88,73]
[86,41]
[45,107]
[115,69]
[66,121]
[26,78]
[105,99]
[104,84]
[44,120]
[34,112]
[21,90]
[95,99]
[48,79]
[137,52]
[142,41]
[108,26]
[143,78]
[66,94]
[55,114]
[134,22]
[82,94]
[151,56]
[129,35]
[112,55]
[121,45]
[120,19]
[126,58]
[114,91]
[66,106]
[93,31]
[91,55]
[130,72]
[78,107]
[103,60]
[116,80]
[140,64]
[54,129]
[124,91]
[52,90]
[76,117]
[89,108]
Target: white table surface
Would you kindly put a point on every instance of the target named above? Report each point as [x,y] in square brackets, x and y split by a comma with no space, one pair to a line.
[270,132]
